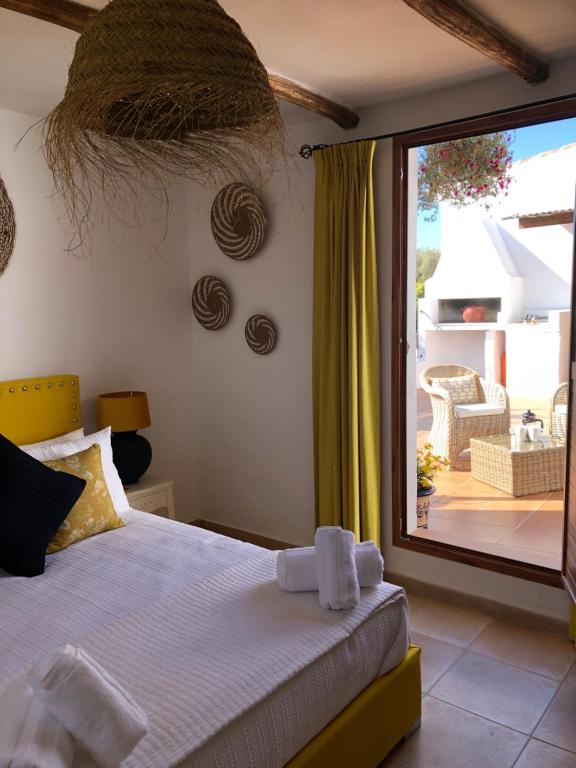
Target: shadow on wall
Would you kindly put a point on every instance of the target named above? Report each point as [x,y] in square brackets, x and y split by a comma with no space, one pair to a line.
[541,282]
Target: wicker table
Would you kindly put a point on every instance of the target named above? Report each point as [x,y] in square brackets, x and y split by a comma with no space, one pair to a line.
[533,467]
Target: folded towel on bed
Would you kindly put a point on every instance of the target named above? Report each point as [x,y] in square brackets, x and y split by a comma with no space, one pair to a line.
[297,572]
[338,585]
[31,737]
[90,704]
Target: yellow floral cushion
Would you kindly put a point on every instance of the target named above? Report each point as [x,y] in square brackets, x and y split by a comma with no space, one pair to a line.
[94,511]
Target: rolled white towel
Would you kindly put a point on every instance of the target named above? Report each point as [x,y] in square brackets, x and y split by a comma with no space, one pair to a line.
[369,564]
[336,566]
[31,737]
[296,568]
[90,704]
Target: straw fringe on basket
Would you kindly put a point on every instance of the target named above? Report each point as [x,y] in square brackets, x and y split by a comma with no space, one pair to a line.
[156,88]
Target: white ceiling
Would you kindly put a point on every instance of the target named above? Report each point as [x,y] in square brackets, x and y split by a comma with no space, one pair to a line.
[358,52]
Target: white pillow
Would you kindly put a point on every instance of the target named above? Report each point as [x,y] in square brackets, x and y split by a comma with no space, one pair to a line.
[103,439]
[75,435]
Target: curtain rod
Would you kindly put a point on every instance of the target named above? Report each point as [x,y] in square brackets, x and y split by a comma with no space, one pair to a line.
[306,150]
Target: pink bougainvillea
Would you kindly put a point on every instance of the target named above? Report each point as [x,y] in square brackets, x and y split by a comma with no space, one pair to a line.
[463,171]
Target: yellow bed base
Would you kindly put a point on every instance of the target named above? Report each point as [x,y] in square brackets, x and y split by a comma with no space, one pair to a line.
[39,409]
[372,724]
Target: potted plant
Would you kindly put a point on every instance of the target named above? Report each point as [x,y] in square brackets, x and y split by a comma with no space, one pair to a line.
[428,464]
[464,171]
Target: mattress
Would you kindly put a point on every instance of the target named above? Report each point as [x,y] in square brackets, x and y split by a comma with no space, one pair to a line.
[102,580]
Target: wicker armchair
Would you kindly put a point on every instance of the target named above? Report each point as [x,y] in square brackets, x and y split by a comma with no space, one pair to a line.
[559,412]
[453,424]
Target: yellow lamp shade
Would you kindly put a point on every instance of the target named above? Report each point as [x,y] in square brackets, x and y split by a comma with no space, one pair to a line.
[123,411]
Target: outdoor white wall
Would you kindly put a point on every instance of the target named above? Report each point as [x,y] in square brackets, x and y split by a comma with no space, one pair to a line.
[471,264]
[119,317]
[465,347]
[543,256]
[483,253]
[537,357]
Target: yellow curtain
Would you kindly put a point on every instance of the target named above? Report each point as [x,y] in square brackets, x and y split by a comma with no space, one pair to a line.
[346,343]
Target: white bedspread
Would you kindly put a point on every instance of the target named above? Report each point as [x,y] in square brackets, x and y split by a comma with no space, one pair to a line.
[230,670]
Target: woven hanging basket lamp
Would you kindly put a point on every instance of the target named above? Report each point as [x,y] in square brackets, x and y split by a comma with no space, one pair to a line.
[161,87]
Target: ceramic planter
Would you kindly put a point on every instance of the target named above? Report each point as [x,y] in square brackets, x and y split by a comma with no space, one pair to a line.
[474,314]
[424,497]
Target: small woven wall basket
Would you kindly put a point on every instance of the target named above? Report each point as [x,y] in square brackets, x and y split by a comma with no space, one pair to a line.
[238,221]
[211,302]
[260,334]
[7,228]
[161,87]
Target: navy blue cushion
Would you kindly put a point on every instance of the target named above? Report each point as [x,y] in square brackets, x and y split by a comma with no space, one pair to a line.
[34,501]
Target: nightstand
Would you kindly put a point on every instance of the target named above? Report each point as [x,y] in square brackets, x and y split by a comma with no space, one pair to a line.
[153,495]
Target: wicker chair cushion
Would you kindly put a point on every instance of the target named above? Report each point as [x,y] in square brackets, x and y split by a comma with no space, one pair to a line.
[561,408]
[478,409]
[464,389]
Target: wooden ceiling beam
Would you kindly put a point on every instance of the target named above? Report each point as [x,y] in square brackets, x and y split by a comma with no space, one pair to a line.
[75,16]
[290,91]
[460,21]
[64,13]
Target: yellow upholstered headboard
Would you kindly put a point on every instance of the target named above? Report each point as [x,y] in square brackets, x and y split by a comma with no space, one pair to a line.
[39,409]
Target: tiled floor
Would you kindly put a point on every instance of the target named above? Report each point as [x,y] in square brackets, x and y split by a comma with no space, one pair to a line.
[495,695]
[471,514]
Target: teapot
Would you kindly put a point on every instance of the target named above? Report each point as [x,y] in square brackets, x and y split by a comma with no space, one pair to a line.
[529,417]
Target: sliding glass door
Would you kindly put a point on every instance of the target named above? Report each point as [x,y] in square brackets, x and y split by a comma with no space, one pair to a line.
[484,234]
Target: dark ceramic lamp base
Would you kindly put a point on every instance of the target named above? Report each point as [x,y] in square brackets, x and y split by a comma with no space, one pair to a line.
[132,456]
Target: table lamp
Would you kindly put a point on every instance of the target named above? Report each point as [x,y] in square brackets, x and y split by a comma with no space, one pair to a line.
[125,413]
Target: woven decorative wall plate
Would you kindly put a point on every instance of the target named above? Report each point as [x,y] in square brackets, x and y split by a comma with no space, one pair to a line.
[7,228]
[238,221]
[260,334]
[211,302]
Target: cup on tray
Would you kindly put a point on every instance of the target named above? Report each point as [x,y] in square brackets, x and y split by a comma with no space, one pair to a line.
[535,432]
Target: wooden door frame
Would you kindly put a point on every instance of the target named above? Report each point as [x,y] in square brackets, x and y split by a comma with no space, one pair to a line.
[514,118]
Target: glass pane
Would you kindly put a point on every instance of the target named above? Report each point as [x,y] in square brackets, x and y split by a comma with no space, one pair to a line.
[490,234]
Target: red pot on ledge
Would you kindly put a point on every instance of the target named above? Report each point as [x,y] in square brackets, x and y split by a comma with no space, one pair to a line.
[474,314]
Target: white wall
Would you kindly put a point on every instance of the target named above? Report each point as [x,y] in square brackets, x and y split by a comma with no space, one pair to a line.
[119,317]
[253,414]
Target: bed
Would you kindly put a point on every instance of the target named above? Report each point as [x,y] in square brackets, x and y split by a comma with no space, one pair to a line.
[231,671]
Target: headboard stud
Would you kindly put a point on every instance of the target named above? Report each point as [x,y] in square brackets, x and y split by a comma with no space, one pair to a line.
[39,409]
